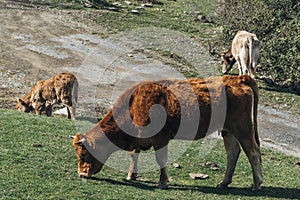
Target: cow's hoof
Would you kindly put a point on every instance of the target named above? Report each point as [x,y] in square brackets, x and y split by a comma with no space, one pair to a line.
[222,186]
[133,177]
[162,185]
[129,178]
[255,188]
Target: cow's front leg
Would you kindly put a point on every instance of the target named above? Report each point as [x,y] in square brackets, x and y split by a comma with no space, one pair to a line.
[132,174]
[251,148]
[48,111]
[161,155]
[71,112]
[232,150]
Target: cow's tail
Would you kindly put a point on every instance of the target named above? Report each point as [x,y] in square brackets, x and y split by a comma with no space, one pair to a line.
[75,91]
[250,59]
[252,84]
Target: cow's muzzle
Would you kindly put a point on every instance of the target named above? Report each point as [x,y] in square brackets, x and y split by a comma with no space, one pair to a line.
[83,175]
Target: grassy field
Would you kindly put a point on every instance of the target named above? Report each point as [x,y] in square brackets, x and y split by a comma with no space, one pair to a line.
[38,161]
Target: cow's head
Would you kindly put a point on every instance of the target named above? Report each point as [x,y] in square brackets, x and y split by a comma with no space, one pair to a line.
[87,163]
[37,101]
[227,61]
[21,105]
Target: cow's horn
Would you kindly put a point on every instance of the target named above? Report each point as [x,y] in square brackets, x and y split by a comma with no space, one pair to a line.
[72,136]
[80,141]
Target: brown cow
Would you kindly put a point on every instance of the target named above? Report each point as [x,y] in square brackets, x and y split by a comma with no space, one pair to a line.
[245,51]
[151,113]
[61,88]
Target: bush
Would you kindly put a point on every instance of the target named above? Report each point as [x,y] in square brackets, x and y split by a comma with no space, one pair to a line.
[276,23]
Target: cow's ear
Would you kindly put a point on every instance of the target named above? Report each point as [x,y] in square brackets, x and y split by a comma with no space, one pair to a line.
[78,139]
[21,101]
[72,137]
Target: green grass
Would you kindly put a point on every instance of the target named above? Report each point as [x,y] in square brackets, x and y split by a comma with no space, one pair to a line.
[180,17]
[50,171]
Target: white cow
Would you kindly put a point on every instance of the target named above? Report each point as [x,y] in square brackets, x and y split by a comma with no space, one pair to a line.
[245,51]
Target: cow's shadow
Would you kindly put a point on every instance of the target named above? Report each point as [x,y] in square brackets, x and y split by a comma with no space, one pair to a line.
[269,191]
[145,184]
[269,85]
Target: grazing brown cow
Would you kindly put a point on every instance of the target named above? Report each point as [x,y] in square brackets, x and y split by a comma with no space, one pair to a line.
[245,51]
[61,88]
[151,113]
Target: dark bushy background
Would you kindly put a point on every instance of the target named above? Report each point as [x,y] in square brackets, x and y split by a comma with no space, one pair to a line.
[276,24]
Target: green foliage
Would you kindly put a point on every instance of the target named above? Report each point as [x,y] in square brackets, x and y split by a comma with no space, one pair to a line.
[277,25]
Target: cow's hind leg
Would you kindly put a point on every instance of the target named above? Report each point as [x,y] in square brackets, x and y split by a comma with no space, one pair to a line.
[132,174]
[71,106]
[238,60]
[245,70]
[251,148]
[233,151]
[71,111]
[161,155]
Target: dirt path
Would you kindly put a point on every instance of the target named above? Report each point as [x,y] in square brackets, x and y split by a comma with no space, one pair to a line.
[37,43]
[279,130]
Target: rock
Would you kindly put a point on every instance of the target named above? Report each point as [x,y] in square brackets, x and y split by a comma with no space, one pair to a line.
[135,11]
[213,166]
[112,9]
[288,82]
[149,5]
[139,8]
[128,2]
[117,4]
[176,165]
[88,5]
[63,111]
[199,176]
[36,145]
[267,140]
[201,18]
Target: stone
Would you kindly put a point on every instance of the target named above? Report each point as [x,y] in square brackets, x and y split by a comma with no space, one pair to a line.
[199,176]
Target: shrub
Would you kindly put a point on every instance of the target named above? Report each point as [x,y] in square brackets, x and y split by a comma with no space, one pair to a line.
[277,25]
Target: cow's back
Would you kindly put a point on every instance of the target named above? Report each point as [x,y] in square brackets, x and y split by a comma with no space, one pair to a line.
[239,43]
[186,106]
[63,85]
